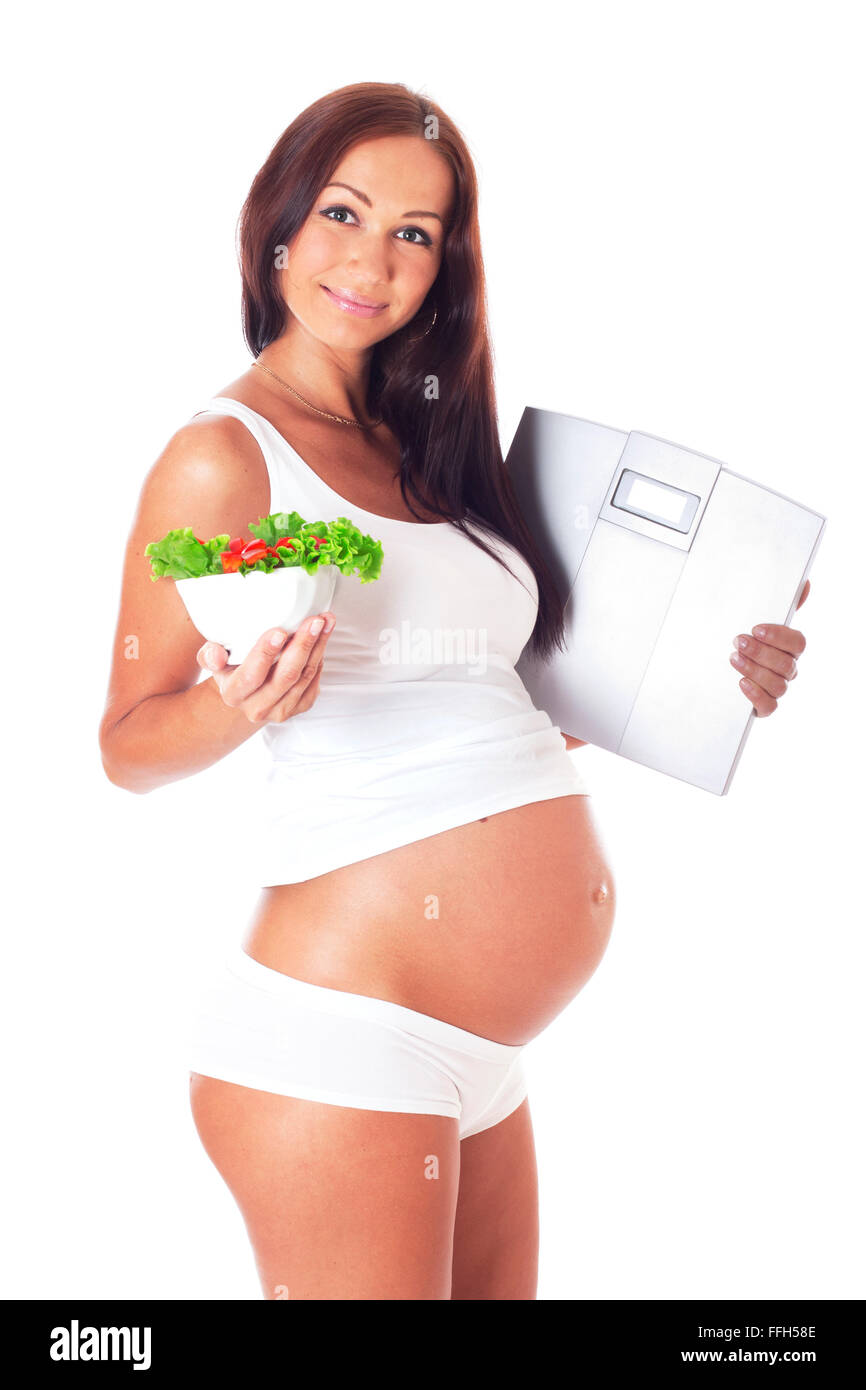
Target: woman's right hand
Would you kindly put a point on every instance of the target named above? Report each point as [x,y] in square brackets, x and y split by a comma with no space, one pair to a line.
[273,682]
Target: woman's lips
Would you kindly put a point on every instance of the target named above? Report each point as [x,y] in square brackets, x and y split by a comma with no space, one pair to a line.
[352,306]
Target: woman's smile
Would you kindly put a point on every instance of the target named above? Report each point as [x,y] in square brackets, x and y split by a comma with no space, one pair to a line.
[351,303]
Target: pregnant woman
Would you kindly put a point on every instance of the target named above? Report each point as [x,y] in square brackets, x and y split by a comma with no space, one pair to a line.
[433,887]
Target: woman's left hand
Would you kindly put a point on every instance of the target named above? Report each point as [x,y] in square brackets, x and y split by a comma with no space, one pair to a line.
[767,661]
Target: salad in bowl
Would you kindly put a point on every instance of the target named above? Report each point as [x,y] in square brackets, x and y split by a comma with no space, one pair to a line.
[235,589]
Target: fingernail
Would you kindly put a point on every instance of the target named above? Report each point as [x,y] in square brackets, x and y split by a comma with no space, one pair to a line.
[210,656]
[316,626]
[277,639]
[329,622]
[759,631]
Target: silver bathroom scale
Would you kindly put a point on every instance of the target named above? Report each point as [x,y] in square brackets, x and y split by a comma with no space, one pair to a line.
[662,556]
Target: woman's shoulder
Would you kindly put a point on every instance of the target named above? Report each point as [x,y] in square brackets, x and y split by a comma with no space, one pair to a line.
[210,463]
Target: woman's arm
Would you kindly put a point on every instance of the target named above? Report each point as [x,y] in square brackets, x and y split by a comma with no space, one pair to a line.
[159,724]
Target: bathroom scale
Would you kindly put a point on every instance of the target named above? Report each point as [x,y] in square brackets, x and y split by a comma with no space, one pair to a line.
[661,555]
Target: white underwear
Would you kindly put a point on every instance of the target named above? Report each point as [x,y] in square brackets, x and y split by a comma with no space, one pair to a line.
[260,1028]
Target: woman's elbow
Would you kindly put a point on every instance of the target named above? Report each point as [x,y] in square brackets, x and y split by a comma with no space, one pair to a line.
[118,772]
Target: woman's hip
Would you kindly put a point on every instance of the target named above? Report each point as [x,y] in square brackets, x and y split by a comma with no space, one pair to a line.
[266,1030]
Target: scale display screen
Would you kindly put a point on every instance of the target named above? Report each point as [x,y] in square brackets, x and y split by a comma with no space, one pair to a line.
[647,497]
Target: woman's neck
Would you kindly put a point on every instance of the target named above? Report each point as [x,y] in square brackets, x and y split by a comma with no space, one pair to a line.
[332,380]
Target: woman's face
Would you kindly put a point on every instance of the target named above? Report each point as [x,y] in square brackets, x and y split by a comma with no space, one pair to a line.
[380,240]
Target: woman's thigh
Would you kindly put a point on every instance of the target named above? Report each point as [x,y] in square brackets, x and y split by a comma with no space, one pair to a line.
[339,1203]
[496,1225]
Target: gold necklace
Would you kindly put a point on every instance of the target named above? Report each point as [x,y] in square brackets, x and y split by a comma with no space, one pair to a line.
[342,419]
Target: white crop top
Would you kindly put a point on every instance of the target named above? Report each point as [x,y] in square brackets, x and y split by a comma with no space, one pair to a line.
[421,722]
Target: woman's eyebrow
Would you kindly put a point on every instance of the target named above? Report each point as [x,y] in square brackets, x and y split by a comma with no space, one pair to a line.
[413,212]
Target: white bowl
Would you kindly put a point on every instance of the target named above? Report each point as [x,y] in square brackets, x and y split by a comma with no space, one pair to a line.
[235,610]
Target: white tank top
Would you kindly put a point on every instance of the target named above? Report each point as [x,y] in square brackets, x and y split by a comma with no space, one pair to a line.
[421,722]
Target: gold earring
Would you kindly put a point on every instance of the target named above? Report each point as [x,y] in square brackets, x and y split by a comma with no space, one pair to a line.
[426,330]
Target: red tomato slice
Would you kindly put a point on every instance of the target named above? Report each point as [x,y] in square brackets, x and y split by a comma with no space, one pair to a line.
[254,551]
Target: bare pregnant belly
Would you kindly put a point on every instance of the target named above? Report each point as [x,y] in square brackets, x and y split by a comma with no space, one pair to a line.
[493,926]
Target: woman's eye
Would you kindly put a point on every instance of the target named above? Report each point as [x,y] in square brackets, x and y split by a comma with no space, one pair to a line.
[339,208]
[426,240]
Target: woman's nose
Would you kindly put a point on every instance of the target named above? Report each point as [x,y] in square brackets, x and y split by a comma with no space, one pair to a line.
[369,266]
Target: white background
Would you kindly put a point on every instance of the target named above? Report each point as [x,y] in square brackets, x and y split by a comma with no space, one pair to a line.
[674,243]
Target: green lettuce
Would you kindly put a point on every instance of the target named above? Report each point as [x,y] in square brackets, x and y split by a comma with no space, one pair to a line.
[179,555]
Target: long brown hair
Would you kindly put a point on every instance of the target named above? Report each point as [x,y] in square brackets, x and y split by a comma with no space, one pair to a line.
[451,457]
